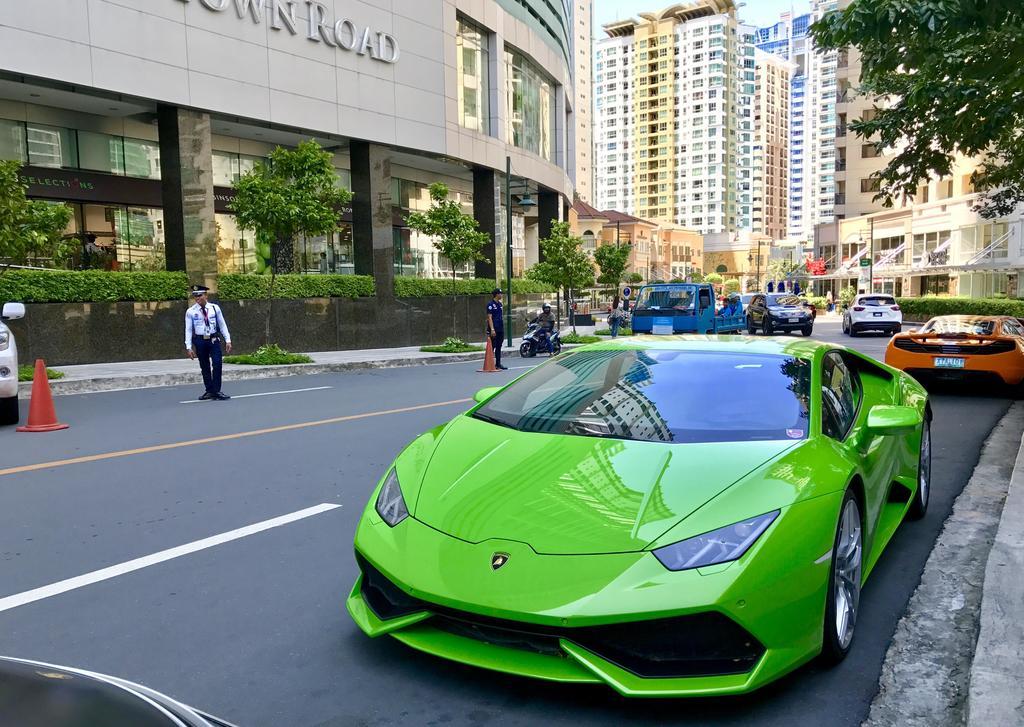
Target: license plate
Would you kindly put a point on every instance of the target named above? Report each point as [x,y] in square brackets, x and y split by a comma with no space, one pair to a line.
[947,362]
[877,315]
[794,320]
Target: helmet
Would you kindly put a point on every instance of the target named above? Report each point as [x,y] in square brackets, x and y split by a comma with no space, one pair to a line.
[546,307]
[734,296]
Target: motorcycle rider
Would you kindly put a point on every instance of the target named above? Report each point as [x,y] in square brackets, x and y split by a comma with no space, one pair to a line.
[546,321]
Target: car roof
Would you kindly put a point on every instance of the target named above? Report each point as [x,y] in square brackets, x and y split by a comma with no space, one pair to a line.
[960,318]
[802,348]
[874,295]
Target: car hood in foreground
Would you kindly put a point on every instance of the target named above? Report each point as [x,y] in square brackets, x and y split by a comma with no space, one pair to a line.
[571,494]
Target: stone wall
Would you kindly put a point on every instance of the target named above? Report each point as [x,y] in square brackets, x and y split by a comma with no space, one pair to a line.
[81,333]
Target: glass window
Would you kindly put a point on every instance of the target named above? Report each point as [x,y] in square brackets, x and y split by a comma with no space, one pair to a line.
[663,297]
[1012,328]
[247,162]
[840,397]
[140,242]
[142,158]
[101,152]
[12,140]
[660,396]
[876,301]
[531,104]
[472,67]
[51,146]
[236,249]
[225,168]
[960,324]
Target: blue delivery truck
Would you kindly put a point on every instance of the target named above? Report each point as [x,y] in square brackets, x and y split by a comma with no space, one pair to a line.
[666,308]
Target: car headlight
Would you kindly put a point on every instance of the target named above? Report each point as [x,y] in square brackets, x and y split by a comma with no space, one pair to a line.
[718,546]
[5,340]
[390,503]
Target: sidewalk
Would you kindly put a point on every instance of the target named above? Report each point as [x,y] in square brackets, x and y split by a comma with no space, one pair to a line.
[88,378]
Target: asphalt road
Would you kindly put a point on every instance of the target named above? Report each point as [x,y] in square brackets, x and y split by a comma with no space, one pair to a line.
[254,628]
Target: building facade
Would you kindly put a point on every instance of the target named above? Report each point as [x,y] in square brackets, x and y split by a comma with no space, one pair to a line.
[141,115]
[674,139]
[583,73]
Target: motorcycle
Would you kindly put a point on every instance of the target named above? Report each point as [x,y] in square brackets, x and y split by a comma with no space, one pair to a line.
[532,344]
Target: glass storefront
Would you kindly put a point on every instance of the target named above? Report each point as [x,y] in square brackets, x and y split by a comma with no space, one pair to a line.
[531,103]
[415,254]
[976,239]
[117,237]
[472,67]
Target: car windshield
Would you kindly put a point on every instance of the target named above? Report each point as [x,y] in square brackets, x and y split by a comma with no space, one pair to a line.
[674,297]
[657,395]
[877,300]
[972,326]
[784,300]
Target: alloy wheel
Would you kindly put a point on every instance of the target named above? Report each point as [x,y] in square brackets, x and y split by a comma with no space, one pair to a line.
[849,549]
[924,469]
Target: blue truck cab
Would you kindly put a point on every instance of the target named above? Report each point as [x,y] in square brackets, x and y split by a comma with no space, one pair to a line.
[666,308]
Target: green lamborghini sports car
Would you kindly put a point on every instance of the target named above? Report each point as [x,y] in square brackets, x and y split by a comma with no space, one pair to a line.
[669,516]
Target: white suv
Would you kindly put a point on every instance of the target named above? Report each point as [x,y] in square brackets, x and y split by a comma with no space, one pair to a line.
[872,312]
[9,365]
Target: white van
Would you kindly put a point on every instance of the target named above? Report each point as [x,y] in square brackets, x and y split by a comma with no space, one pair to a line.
[9,364]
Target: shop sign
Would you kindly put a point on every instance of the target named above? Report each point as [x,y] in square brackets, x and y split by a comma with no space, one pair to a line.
[320,27]
[81,186]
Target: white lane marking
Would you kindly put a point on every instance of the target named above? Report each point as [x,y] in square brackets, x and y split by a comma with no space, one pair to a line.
[103,574]
[263,393]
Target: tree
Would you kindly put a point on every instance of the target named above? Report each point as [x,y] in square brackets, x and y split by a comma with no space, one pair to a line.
[732,285]
[28,228]
[566,266]
[789,271]
[455,235]
[295,193]
[612,261]
[635,278]
[713,278]
[951,77]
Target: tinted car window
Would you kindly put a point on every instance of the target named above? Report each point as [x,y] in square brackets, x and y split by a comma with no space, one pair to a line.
[660,396]
[840,397]
[677,297]
[1012,328]
[877,300]
[976,326]
[784,300]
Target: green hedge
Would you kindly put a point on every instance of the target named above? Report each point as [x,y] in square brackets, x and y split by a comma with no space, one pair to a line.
[84,286]
[236,286]
[408,287]
[921,309]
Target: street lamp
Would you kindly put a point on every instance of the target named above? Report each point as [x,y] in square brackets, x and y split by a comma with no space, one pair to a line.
[525,201]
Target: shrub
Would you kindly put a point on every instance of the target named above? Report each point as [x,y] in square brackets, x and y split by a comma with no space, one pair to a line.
[573,337]
[236,286]
[818,301]
[921,309]
[28,372]
[452,345]
[271,355]
[409,287]
[85,286]
[624,331]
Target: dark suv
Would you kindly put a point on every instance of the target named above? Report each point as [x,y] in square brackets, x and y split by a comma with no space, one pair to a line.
[773,313]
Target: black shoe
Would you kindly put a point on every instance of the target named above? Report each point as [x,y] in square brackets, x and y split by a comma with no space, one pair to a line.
[207,396]
[503,368]
[221,396]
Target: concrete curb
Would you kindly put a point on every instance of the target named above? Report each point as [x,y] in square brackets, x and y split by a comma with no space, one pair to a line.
[926,673]
[113,383]
[996,696]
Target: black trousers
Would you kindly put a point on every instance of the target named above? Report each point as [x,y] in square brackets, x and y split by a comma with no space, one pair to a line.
[209,354]
[496,341]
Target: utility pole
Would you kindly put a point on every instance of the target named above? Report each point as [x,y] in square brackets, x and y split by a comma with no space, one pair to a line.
[508,248]
[871,253]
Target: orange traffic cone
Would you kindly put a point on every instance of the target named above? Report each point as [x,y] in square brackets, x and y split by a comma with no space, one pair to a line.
[489,367]
[42,417]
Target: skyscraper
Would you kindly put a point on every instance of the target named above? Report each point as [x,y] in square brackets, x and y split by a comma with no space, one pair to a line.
[583,16]
[771,145]
[674,92]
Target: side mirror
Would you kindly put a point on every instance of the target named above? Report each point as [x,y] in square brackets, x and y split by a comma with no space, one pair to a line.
[13,311]
[485,393]
[884,419]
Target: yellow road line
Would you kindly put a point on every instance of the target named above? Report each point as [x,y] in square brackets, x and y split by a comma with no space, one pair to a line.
[221,438]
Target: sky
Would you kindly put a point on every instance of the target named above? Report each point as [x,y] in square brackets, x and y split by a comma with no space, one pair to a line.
[755,12]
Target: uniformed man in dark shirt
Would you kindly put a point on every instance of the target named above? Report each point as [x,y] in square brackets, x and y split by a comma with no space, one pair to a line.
[496,326]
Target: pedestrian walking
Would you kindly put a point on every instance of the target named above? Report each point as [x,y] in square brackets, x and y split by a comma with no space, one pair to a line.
[615,317]
[830,302]
[205,328]
[496,326]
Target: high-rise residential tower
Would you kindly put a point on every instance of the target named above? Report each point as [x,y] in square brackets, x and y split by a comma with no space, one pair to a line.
[674,93]
[583,45]
[771,145]
[812,122]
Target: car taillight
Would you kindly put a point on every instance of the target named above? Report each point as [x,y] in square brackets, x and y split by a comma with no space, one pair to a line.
[895,307]
[858,307]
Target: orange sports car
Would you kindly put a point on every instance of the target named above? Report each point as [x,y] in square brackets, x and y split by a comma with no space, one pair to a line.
[962,348]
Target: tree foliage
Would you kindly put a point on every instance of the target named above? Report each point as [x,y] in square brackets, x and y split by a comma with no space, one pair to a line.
[455,233]
[950,77]
[28,228]
[612,261]
[295,193]
[565,264]
[713,278]
[732,285]
[789,271]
